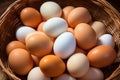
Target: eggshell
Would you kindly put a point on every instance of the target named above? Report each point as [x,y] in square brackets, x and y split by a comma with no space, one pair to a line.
[64,45]
[40,26]
[52,66]
[66,10]
[13,45]
[78,65]
[55,26]
[101,56]
[70,30]
[85,36]
[22,32]
[79,50]
[50,9]
[20,61]
[39,44]
[78,15]
[64,77]
[93,74]
[35,60]
[37,74]
[106,39]
[99,28]
[30,17]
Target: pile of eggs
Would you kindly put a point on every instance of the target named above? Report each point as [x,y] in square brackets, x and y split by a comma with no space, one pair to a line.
[60,44]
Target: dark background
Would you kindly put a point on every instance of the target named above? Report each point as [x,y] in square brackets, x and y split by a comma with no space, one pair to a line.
[5,3]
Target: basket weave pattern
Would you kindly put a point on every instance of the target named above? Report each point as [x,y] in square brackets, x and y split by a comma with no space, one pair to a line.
[100,10]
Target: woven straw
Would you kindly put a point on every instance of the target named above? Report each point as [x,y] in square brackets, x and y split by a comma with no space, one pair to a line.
[100,10]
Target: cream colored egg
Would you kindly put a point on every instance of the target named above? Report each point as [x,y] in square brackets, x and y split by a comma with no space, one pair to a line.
[78,65]
[99,28]
[37,74]
[50,9]
[64,77]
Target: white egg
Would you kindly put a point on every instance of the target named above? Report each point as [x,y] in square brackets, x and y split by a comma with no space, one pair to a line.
[55,26]
[78,65]
[93,74]
[36,74]
[64,77]
[22,32]
[106,39]
[50,9]
[64,45]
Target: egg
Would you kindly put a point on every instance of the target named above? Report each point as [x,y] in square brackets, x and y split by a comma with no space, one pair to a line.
[37,74]
[52,66]
[22,32]
[93,74]
[13,45]
[79,50]
[85,36]
[70,30]
[78,65]
[64,77]
[66,10]
[64,45]
[30,17]
[55,26]
[101,56]
[35,60]
[78,15]
[106,39]
[99,28]
[39,44]
[20,61]
[50,9]
[40,26]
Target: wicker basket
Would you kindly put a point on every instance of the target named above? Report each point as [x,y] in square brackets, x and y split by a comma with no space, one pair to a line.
[100,10]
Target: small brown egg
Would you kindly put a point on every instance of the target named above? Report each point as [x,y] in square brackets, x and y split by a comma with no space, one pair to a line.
[35,59]
[39,44]
[101,56]
[40,26]
[70,30]
[99,28]
[30,17]
[78,15]
[85,36]
[20,61]
[78,50]
[13,45]
[52,66]
[66,11]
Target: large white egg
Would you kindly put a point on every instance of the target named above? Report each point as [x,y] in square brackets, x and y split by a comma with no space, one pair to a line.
[55,26]
[50,9]
[64,77]
[93,74]
[106,39]
[22,32]
[64,45]
[36,74]
[78,65]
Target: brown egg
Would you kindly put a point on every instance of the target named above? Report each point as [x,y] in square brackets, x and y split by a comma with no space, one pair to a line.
[35,60]
[78,15]
[40,26]
[20,61]
[13,45]
[30,17]
[39,44]
[85,36]
[52,65]
[78,50]
[70,30]
[101,56]
[66,11]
